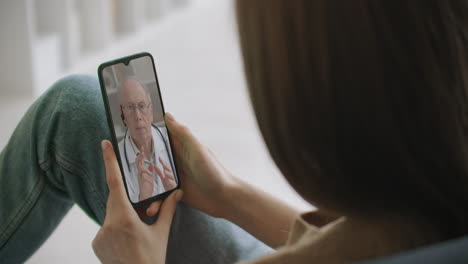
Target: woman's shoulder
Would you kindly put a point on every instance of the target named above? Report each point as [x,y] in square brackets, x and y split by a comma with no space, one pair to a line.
[303,243]
[344,240]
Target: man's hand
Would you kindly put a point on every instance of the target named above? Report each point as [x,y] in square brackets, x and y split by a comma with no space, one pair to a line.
[166,175]
[124,238]
[145,176]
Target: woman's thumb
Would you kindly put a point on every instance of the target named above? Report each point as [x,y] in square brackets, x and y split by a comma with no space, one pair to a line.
[182,132]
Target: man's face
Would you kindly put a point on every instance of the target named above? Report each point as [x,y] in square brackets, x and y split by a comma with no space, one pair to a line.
[137,111]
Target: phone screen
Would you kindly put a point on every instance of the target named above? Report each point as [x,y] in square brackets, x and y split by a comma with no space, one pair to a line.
[136,117]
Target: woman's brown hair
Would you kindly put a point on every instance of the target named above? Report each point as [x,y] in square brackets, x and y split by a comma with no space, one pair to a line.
[363,104]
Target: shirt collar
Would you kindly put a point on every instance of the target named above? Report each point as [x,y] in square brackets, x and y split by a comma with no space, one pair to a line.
[132,149]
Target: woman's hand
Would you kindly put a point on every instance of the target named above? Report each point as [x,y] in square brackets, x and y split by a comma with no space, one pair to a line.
[205,182]
[124,238]
[209,187]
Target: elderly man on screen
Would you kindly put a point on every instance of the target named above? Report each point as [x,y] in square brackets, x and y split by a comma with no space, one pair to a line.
[144,150]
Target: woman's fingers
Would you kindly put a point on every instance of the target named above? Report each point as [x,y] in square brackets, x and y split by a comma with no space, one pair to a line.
[167,210]
[182,132]
[153,208]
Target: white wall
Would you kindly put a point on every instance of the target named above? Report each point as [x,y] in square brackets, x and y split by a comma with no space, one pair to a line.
[43,40]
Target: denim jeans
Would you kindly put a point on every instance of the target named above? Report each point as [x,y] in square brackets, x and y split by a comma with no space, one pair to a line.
[54,160]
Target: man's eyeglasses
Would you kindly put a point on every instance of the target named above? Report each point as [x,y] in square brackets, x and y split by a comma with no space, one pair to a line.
[131,108]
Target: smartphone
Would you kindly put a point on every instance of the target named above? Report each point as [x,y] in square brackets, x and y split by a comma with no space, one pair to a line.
[135,115]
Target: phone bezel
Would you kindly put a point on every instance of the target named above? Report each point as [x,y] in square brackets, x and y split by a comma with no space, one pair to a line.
[110,123]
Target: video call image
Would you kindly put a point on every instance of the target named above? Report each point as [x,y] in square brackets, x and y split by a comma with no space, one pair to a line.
[140,129]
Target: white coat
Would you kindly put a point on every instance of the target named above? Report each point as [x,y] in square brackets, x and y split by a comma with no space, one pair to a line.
[128,153]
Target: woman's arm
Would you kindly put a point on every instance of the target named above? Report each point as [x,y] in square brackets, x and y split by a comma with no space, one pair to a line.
[264,216]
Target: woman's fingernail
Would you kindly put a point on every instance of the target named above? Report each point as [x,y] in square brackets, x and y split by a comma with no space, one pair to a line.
[170,117]
[104,145]
[179,195]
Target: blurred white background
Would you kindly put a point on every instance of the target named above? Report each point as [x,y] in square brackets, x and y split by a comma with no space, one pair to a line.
[198,61]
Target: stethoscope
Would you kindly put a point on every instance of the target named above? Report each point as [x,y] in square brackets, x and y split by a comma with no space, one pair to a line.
[165,145]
